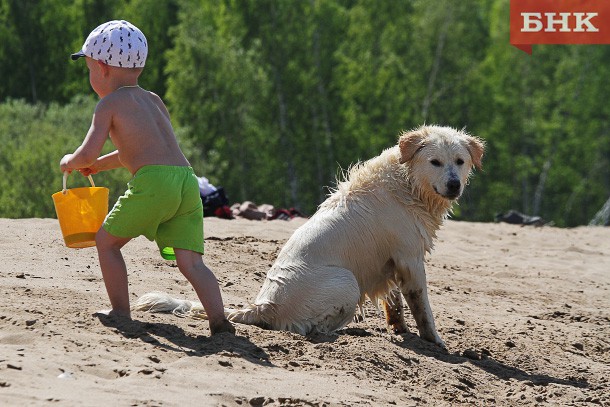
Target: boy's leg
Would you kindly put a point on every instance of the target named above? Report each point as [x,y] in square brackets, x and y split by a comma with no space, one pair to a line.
[206,286]
[114,271]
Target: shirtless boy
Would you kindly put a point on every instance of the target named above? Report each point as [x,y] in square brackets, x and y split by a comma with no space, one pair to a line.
[162,202]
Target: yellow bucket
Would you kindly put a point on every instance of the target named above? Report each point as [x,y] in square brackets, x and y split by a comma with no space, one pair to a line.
[81,212]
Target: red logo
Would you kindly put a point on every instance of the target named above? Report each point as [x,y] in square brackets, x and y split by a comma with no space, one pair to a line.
[559,22]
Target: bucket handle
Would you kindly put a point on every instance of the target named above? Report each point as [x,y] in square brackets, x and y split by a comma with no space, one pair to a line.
[65,181]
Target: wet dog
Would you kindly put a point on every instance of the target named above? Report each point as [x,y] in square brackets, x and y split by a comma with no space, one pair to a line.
[368,239]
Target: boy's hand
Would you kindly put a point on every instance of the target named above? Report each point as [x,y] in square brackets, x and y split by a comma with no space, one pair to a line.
[88,171]
[65,167]
[63,164]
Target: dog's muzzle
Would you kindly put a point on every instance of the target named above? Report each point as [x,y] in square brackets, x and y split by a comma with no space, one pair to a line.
[452,189]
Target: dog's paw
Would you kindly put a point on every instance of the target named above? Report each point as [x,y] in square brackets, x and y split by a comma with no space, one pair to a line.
[435,339]
[441,344]
[399,329]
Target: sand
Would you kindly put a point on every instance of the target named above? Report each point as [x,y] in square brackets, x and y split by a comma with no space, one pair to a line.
[524,311]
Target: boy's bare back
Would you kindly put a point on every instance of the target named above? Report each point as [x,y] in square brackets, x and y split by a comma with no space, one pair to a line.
[139,126]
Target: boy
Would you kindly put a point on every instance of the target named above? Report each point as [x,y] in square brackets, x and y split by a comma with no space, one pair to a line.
[162,201]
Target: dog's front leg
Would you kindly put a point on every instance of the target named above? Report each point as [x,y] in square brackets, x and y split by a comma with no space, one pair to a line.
[414,289]
[394,314]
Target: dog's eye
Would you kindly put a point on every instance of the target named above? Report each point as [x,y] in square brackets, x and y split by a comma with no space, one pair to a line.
[436,163]
[459,161]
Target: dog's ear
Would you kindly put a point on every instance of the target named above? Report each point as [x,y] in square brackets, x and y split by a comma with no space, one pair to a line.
[476,148]
[410,143]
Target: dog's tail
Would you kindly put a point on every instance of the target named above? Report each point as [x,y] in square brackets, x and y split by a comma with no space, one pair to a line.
[252,315]
[162,302]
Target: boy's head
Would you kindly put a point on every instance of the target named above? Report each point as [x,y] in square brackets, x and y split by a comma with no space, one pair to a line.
[116,43]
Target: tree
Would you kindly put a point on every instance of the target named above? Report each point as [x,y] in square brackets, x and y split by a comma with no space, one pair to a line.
[270,98]
[156,19]
[218,93]
[38,41]
[34,138]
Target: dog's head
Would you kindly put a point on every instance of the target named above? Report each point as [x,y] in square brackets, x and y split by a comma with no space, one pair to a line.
[440,159]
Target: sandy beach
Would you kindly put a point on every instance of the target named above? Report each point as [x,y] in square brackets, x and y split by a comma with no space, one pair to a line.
[524,311]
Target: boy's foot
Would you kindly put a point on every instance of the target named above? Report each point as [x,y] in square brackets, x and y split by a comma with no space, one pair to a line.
[222,326]
[113,313]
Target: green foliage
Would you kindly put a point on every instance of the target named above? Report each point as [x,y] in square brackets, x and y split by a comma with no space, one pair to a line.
[36,39]
[34,138]
[218,94]
[269,98]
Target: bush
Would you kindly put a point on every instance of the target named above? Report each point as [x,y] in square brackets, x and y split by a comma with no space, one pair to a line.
[34,138]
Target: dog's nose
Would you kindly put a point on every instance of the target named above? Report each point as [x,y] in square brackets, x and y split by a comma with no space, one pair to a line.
[453,187]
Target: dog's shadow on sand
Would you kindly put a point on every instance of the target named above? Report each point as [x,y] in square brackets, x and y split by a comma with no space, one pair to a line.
[173,338]
[482,360]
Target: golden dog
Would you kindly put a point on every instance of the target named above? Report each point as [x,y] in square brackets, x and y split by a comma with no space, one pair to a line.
[367,239]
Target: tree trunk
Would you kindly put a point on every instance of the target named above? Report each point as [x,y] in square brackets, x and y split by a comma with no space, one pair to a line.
[602,218]
[540,187]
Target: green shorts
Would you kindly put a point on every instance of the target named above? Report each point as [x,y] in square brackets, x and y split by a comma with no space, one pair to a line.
[163,204]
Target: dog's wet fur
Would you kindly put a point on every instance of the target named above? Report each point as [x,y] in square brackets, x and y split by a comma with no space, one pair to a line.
[368,239]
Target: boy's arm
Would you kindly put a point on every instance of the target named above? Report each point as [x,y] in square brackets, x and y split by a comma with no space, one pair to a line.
[109,161]
[87,154]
